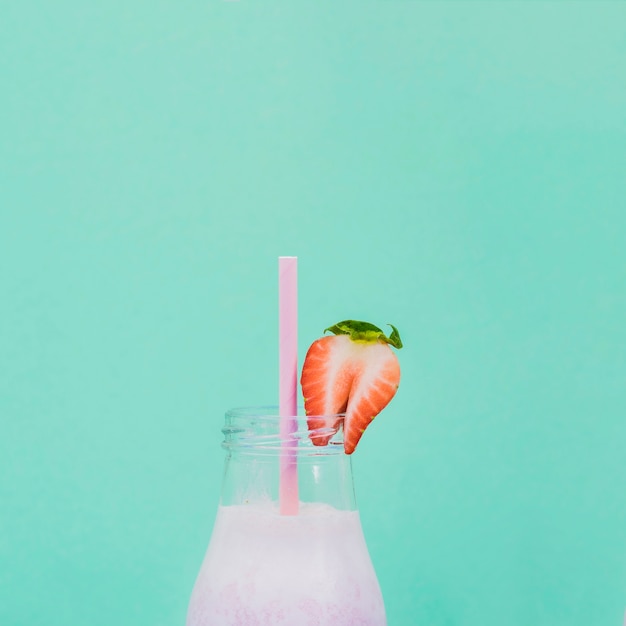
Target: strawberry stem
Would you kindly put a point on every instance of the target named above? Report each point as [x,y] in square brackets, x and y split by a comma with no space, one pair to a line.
[364,332]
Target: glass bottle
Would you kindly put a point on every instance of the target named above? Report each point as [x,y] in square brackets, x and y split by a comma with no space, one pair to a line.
[266,569]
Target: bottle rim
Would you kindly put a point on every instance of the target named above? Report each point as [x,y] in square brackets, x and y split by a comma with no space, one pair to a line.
[257,430]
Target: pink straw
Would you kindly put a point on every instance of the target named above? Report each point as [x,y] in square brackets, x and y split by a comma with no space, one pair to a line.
[288,386]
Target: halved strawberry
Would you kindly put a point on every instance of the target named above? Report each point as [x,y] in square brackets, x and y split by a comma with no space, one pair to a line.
[353,372]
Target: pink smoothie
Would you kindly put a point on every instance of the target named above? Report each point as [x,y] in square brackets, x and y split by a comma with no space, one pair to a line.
[264,569]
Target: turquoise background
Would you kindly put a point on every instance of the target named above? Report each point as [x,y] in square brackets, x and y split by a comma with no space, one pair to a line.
[457,169]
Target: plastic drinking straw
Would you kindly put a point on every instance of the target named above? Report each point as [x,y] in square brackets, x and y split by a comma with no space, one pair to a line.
[288,381]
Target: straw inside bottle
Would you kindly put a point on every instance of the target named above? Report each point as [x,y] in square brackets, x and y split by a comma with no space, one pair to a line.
[288,381]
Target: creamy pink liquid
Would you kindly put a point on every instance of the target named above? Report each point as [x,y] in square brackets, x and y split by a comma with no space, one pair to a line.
[264,569]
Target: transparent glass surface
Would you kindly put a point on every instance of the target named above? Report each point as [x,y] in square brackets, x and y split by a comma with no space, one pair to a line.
[266,569]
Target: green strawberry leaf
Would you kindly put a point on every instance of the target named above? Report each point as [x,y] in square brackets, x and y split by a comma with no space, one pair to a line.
[365,332]
[394,338]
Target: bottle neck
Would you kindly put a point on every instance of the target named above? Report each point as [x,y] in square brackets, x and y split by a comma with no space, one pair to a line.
[255,446]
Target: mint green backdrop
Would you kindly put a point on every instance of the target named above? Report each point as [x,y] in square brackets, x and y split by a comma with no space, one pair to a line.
[457,169]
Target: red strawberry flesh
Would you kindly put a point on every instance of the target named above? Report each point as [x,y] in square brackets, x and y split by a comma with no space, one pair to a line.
[355,372]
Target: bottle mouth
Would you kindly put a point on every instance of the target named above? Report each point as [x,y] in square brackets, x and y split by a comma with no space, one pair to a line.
[261,430]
